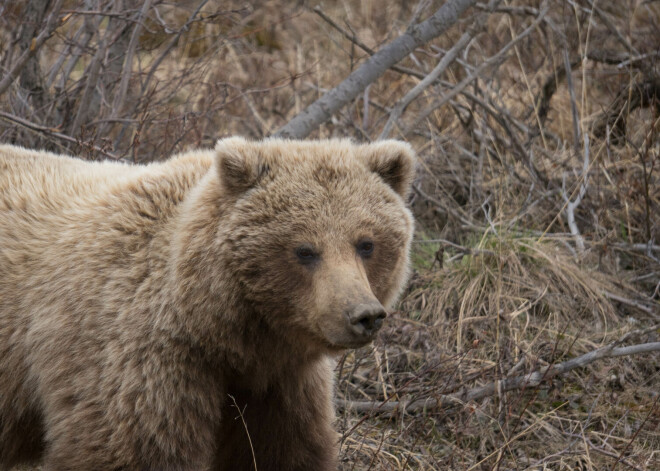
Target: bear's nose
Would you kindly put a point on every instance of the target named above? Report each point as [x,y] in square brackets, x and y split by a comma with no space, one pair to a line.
[366,319]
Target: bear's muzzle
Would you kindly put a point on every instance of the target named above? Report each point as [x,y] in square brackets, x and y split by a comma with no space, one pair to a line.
[366,319]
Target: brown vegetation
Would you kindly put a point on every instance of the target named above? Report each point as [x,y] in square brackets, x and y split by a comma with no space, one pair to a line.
[537,198]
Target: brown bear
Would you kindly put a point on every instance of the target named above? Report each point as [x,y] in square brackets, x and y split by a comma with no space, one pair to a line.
[184,315]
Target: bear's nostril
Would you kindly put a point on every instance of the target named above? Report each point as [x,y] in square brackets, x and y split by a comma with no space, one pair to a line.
[367,319]
[367,323]
[372,322]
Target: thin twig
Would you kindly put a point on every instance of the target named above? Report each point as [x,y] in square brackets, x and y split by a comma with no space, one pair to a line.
[526,11]
[52,132]
[247,432]
[507,384]
[639,429]
[571,92]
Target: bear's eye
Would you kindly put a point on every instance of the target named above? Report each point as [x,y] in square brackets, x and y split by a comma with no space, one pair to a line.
[365,248]
[306,254]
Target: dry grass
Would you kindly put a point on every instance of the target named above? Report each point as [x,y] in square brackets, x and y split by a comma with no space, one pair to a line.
[512,291]
[514,307]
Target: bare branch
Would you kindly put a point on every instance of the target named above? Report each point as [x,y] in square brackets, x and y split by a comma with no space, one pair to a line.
[54,133]
[495,111]
[508,384]
[571,205]
[46,32]
[93,70]
[173,42]
[439,69]
[613,29]
[476,73]
[355,40]
[323,108]
[128,61]
[633,303]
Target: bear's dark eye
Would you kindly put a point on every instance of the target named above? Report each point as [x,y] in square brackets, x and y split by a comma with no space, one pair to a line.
[365,248]
[306,254]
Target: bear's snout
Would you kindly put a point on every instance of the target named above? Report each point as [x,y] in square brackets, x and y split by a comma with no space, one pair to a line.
[366,319]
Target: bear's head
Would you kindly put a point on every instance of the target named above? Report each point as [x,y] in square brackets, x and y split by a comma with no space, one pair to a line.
[317,233]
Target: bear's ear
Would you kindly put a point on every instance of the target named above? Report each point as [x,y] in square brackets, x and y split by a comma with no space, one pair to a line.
[394,162]
[240,164]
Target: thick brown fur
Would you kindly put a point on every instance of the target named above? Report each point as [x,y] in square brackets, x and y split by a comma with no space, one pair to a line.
[141,306]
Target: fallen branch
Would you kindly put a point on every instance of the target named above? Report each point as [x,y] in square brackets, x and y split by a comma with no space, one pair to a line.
[631,302]
[508,384]
[374,67]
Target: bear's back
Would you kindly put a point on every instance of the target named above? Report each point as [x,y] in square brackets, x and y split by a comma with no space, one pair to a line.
[57,210]
[40,191]
[36,175]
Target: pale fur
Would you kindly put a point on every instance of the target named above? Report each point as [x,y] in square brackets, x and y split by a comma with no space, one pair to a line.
[137,303]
